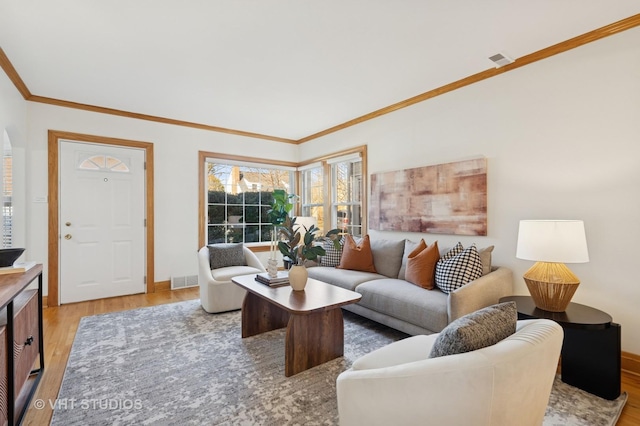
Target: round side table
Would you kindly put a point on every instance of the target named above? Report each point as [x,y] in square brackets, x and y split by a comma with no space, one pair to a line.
[591,350]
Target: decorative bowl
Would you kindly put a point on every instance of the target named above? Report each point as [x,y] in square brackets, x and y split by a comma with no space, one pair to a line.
[8,256]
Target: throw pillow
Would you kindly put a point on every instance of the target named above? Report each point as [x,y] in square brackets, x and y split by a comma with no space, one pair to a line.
[476,330]
[421,265]
[357,257]
[223,255]
[456,271]
[485,257]
[332,254]
[457,249]
[409,246]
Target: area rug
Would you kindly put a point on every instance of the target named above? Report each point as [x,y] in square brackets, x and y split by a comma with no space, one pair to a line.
[178,365]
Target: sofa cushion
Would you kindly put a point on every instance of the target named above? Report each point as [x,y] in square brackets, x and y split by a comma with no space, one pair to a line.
[405,301]
[476,330]
[357,257]
[332,254]
[344,278]
[452,272]
[409,246]
[223,255]
[228,272]
[421,265]
[485,258]
[454,251]
[387,256]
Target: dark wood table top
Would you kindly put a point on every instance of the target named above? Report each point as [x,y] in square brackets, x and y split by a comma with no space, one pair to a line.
[576,316]
[12,284]
[317,295]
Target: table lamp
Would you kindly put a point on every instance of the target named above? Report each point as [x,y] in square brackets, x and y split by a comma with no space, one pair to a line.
[551,244]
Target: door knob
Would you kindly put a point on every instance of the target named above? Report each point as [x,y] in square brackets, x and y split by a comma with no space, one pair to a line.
[67,237]
[67,223]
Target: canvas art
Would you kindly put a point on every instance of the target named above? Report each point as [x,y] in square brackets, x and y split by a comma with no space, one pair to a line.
[446,198]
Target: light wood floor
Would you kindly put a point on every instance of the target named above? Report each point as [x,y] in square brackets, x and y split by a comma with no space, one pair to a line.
[60,324]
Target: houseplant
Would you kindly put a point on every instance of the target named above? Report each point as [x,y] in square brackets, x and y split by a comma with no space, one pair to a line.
[298,248]
[281,206]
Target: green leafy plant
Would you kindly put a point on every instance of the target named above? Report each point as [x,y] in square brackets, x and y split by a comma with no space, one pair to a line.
[281,207]
[299,249]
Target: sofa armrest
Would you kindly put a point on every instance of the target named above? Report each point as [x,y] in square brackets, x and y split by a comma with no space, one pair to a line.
[485,291]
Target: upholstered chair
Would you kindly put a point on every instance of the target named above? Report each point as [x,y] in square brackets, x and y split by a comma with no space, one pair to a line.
[217,292]
[508,383]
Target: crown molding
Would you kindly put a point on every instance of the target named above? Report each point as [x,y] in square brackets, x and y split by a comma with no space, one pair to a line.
[597,34]
[147,117]
[616,27]
[13,75]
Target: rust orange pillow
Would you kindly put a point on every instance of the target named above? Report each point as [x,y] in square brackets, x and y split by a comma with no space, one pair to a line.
[421,265]
[357,257]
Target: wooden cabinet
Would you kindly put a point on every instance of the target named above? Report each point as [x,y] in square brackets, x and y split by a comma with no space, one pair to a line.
[21,355]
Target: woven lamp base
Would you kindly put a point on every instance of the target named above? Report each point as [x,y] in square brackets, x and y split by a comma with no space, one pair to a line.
[552,285]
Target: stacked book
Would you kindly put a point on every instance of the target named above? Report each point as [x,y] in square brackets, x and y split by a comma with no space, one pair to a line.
[279,280]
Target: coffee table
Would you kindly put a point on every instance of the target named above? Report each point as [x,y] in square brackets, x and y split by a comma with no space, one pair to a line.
[315,327]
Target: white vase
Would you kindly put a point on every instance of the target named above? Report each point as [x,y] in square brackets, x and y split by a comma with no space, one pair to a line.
[298,277]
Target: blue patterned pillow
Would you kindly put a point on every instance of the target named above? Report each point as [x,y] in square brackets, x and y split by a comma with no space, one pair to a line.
[454,271]
[476,330]
[223,255]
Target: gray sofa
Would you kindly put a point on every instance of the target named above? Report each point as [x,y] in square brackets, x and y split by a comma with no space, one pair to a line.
[388,299]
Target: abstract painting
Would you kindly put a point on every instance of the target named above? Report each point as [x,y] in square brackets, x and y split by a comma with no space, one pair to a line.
[446,198]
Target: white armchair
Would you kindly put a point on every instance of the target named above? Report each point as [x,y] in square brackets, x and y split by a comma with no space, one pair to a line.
[217,292]
[508,383]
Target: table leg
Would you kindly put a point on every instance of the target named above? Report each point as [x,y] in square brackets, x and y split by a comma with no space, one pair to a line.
[313,339]
[259,316]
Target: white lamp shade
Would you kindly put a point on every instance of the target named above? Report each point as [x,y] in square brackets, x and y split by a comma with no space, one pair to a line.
[558,241]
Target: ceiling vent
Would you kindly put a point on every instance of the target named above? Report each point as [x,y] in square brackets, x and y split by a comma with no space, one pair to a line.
[501,59]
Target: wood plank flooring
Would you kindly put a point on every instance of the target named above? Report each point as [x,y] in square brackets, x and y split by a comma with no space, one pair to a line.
[61,323]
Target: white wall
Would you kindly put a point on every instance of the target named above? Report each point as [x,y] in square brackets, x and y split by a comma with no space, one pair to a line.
[176,176]
[562,139]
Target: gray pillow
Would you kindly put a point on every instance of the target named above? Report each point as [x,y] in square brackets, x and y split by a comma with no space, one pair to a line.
[387,256]
[409,246]
[476,330]
[223,255]
[485,258]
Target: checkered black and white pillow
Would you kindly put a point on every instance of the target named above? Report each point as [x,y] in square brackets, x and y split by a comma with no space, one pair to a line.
[333,255]
[452,272]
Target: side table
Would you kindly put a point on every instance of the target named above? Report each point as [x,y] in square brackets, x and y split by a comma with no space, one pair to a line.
[591,350]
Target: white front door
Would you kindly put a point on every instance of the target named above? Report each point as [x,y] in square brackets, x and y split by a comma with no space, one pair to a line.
[102,221]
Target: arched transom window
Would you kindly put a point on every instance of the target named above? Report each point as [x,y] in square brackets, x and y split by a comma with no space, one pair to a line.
[103,163]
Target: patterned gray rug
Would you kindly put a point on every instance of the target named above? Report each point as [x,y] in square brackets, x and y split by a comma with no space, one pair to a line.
[175,365]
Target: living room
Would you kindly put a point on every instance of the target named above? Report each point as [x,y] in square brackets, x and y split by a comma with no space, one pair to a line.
[559,136]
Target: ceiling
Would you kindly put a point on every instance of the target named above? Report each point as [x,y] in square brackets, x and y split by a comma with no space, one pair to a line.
[283,68]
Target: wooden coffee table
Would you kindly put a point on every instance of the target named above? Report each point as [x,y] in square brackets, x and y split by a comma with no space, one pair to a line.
[315,327]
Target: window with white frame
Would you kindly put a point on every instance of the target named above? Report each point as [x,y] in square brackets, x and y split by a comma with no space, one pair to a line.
[312,195]
[238,196]
[346,193]
[331,192]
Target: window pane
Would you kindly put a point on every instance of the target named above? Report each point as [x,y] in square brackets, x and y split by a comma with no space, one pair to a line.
[240,196]
[216,214]
[252,214]
[252,234]
[216,234]
[318,213]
